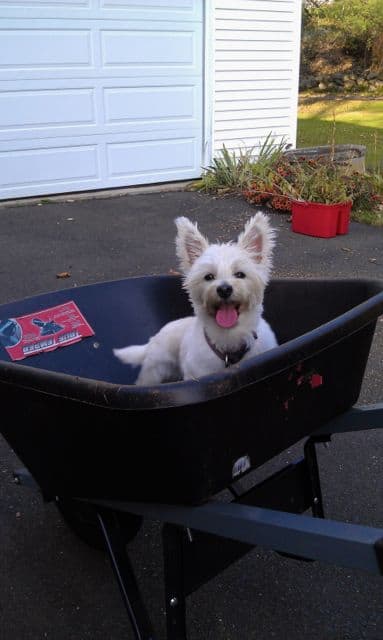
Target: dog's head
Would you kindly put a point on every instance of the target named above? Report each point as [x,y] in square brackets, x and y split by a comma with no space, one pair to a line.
[226,282]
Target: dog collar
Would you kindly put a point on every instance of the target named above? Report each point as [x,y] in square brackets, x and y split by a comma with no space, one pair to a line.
[229,357]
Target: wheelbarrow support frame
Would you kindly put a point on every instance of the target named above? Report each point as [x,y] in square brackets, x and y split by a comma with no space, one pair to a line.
[218,533]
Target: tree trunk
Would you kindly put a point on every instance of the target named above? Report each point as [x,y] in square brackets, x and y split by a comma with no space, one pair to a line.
[377,53]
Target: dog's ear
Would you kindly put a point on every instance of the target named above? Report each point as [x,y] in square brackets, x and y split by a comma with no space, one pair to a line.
[190,243]
[258,240]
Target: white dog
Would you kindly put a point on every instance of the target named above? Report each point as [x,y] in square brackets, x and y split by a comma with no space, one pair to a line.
[225,284]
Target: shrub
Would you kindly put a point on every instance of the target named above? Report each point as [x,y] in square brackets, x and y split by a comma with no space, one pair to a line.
[366,193]
[231,171]
[228,172]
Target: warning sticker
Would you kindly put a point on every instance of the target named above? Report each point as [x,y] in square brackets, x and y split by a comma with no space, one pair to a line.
[44,330]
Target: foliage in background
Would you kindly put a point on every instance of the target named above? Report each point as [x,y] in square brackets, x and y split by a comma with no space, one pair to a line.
[357,122]
[354,25]
[318,180]
[366,192]
[230,171]
[273,178]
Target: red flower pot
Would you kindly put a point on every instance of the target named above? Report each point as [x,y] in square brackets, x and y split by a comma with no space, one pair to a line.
[320,220]
[344,217]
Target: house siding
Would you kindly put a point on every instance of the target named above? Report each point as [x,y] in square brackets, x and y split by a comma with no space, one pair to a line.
[256,72]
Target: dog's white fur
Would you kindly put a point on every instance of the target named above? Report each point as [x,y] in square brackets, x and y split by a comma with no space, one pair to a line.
[180,350]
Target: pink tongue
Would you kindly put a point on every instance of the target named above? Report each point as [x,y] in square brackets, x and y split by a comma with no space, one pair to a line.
[226,316]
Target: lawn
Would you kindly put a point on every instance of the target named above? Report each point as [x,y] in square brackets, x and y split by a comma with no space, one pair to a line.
[355,121]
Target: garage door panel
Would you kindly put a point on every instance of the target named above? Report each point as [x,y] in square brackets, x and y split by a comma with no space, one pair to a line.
[154,4]
[35,48]
[146,105]
[176,10]
[147,48]
[64,48]
[99,98]
[46,113]
[91,162]
[44,4]
[34,109]
[52,165]
[127,159]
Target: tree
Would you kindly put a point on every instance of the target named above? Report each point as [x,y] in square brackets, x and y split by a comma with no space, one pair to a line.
[354,25]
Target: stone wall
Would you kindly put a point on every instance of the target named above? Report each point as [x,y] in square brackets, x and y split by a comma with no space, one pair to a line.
[349,82]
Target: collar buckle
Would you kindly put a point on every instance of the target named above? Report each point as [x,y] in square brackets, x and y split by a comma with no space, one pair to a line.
[228,357]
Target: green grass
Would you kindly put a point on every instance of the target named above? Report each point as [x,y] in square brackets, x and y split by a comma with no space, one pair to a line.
[354,121]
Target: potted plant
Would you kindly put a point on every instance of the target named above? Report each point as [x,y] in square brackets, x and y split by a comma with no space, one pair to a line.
[321,206]
[314,190]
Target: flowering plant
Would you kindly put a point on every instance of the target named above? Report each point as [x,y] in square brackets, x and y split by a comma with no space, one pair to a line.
[321,182]
[366,191]
[302,179]
[273,187]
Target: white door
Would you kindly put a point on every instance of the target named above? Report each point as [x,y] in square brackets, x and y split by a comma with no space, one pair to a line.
[99,93]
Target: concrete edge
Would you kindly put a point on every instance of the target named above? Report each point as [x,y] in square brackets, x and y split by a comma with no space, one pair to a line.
[104,193]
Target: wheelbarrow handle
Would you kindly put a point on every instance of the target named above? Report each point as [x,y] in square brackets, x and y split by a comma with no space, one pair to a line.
[356,419]
[342,544]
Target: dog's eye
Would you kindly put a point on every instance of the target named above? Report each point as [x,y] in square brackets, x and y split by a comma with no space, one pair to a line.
[240,274]
[209,276]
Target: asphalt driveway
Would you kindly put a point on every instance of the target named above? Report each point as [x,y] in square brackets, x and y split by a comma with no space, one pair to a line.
[54,586]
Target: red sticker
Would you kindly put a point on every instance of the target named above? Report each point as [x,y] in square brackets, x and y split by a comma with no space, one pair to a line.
[44,330]
[316,380]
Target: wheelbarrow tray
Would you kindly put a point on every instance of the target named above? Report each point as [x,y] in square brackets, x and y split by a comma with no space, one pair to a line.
[77,422]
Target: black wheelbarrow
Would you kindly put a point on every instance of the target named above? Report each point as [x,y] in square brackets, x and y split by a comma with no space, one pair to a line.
[111,454]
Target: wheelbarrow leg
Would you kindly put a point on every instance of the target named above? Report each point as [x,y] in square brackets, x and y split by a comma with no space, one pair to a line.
[123,570]
[313,469]
[172,544]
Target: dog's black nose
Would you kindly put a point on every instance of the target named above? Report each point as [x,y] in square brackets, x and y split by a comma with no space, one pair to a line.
[224,291]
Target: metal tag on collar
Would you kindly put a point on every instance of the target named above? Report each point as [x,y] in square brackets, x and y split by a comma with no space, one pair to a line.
[227,363]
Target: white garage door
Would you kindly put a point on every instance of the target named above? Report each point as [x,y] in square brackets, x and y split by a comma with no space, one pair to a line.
[99,93]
